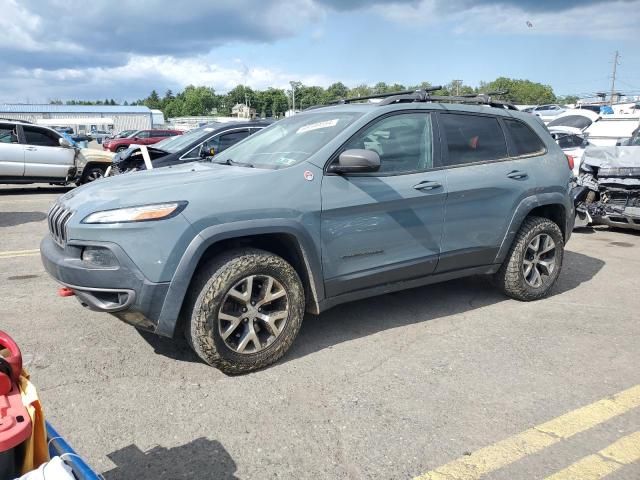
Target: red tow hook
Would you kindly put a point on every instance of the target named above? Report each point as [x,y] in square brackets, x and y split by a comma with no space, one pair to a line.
[65,292]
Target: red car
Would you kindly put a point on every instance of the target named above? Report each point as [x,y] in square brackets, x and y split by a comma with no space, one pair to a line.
[141,137]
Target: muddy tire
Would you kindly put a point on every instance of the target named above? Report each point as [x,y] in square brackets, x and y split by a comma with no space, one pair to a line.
[244,310]
[534,261]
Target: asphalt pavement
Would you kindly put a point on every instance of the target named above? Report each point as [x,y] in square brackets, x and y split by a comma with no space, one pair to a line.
[450,381]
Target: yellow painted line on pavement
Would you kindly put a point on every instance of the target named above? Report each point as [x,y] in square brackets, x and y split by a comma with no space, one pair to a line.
[535,439]
[623,452]
[19,253]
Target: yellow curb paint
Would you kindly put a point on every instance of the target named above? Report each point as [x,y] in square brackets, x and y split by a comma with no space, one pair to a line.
[19,253]
[623,452]
[535,439]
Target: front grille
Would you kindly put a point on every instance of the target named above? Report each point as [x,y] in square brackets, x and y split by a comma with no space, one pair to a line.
[58,219]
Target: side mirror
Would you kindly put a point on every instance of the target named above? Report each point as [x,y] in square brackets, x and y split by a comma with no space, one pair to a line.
[65,143]
[207,152]
[136,138]
[356,161]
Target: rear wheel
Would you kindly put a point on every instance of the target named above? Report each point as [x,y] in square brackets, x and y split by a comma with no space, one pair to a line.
[244,311]
[534,261]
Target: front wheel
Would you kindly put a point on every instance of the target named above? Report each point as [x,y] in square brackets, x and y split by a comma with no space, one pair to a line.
[534,261]
[245,309]
[121,149]
[91,174]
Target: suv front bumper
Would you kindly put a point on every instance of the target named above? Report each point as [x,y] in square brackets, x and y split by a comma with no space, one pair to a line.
[121,290]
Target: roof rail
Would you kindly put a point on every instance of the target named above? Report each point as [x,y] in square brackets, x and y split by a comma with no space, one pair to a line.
[424,95]
[16,120]
[383,95]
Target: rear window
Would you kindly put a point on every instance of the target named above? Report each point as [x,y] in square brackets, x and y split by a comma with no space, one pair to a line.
[525,141]
[575,121]
[472,138]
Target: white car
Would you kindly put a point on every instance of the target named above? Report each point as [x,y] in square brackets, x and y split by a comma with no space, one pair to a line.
[568,129]
[35,154]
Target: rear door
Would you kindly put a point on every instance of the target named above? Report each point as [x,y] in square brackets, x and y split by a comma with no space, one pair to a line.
[44,157]
[11,152]
[485,185]
[384,227]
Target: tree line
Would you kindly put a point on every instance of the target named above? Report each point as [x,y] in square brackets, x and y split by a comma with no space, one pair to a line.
[274,102]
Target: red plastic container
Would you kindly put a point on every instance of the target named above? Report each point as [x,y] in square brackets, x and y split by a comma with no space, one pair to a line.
[15,424]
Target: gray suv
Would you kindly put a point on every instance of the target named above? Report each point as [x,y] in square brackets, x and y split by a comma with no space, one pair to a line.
[331,205]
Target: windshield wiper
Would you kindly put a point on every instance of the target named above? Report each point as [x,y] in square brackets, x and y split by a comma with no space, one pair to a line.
[233,163]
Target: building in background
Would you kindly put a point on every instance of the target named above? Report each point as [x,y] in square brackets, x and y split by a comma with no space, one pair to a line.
[157,119]
[82,118]
[240,110]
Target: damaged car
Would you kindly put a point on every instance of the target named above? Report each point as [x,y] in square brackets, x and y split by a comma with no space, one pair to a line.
[569,132]
[194,145]
[610,181]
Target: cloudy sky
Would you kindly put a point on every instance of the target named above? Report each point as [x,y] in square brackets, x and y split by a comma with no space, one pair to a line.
[122,49]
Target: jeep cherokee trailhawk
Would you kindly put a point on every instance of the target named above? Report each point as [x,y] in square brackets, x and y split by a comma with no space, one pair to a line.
[331,205]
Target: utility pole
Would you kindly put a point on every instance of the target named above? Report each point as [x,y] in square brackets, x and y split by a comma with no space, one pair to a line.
[293,95]
[457,83]
[613,77]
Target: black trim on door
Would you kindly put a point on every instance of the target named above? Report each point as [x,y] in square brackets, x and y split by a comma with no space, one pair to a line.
[466,258]
[376,276]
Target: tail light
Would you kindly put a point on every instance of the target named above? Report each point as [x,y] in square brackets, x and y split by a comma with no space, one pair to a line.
[570,161]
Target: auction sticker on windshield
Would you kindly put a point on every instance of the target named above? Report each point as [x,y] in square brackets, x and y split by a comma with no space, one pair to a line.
[317,126]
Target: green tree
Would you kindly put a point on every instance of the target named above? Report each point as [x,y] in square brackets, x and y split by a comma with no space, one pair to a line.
[520,91]
[153,100]
[336,91]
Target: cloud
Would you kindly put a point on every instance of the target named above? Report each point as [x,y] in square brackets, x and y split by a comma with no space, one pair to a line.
[140,75]
[595,18]
[111,30]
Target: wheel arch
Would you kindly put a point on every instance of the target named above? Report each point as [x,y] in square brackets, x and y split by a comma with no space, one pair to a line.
[553,206]
[287,240]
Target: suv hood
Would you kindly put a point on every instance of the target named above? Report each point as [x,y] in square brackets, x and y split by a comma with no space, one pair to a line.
[155,186]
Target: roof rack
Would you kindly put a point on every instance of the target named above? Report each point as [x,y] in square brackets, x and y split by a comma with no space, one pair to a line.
[424,95]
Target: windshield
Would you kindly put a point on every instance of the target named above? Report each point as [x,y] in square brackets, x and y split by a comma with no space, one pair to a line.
[575,121]
[178,142]
[289,141]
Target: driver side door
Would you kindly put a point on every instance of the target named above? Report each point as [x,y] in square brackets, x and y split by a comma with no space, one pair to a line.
[386,226]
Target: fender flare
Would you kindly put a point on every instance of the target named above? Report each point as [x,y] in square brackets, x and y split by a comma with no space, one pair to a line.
[193,254]
[524,208]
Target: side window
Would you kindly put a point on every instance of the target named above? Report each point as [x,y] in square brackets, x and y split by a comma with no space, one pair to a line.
[472,139]
[40,137]
[143,134]
[8,133]
[404,142]
[228,139]
[524,140]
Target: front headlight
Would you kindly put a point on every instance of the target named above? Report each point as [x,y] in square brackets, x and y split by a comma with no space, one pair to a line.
[143,213]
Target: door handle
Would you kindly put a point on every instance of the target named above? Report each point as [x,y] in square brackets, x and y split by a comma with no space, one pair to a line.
[31,149]
[427,185]
[517,174]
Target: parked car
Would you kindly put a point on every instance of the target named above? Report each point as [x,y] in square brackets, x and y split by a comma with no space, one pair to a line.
[141,137]
[568,129]
[633,141]
[100,135]
[196,144]
[328,206]
[612,177]
[34,154]
[123,134]
[547,112]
